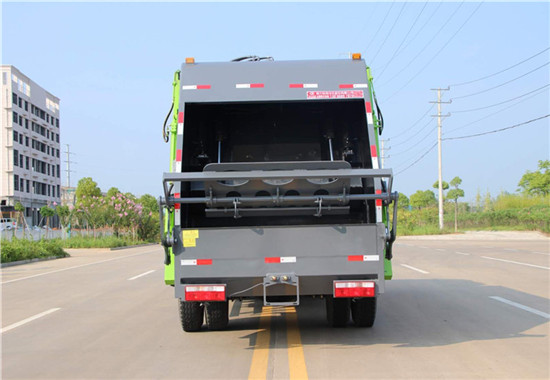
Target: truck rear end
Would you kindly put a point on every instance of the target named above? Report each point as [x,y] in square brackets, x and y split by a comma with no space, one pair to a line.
[275,190]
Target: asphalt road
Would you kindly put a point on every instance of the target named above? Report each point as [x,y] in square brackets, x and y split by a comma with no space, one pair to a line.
[456,309]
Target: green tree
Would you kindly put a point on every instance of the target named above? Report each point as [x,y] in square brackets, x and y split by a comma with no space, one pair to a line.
[150,204]
[47,212]
[422,199]
[403,201]
[112,192]
[86,187]
[454,194]
[445,186]
[538,182]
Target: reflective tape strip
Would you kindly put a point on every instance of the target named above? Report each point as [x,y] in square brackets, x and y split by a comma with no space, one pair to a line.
[379,201]
[177,206]
[303,85]
[355,85]
[363,258]
[370,120]
[280,260]
[249,85]
[373,151]
[368,107]
[180,117]
[196,87]
[379,207]
[178,154]
[177,167]
[177,217]
[180,128]
[196,262]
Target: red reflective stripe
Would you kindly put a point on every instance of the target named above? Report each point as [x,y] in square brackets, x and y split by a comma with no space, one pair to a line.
[180,117]
[354,292]
[296,85]
[373,152]
[204,261]
[203,87]
[256,85]
[355,258]
[272,260]
[177,206]
[178,155]
[379,201]
[368,107]
[346,86]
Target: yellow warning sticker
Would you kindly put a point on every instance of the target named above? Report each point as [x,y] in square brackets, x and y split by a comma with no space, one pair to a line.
[190,238]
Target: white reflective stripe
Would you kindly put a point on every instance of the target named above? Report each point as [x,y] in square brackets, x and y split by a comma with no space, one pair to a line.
[371,258]
[378,213]
[189,87]
[310,85]
[177,218]
[369,118]
[361,85]
[205,288]
[354,284]
[180,128]
[178,166]
[242,85]
[288,259]
[375,163]
[189,262]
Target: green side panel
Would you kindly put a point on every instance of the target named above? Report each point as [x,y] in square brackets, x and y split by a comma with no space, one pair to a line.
[388,272]
[169,273]
[169,270]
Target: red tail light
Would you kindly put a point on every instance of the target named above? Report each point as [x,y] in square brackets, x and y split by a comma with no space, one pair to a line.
[205,292]
[354,289]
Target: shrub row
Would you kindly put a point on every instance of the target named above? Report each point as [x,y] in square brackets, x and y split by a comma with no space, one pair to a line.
[22,249]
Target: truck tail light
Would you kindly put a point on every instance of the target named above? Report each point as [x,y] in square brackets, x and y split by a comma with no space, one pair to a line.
[354,289]
[205,292]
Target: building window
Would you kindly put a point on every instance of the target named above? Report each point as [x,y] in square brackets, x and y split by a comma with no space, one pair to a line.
[27,163]
[26,140]
[20,103]
[15,157]
[26,123]
[15,136]
[15,117]
[48,149]
[48,133]
[58,191]
[58,154]
[14,98]
[49,191]
[21,184]
[57,123]
[58,171]
[20,139]
[28,186]
[21,160]
[16,182]
[26,105]
[57,140]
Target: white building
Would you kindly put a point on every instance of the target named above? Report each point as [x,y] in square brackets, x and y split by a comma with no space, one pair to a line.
[30,149]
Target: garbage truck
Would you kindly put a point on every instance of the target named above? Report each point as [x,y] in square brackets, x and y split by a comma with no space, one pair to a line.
[275,190]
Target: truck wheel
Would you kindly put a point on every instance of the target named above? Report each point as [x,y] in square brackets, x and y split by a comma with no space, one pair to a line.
[337,311]
[216,315]
[191,315]
[363,311]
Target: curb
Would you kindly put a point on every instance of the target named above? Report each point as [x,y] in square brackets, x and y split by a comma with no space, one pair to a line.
[133,246]
[21,262]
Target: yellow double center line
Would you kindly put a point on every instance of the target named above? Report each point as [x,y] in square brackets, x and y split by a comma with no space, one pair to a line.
[260,357]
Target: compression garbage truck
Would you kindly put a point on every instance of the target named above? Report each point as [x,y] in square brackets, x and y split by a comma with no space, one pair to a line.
[275,190]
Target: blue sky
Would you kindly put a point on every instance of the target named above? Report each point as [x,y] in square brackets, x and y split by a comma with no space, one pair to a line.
[111,64]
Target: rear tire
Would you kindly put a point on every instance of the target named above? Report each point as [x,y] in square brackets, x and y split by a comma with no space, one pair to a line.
[363,311]
[217,316]
[337,311]
[191,315]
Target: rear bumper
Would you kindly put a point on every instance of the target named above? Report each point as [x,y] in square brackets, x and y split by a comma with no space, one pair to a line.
[242,257]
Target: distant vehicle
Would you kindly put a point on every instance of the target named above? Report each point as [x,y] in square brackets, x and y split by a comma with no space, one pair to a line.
[7,224]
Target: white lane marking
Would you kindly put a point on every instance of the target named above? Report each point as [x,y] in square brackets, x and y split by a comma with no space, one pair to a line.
[30,319]
[541,253]
[413,268]
[440,249]
[141,275]
[516,262]
[77,266]
[520,306]
[462,253]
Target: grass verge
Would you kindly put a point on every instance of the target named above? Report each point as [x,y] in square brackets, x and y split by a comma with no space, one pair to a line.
[103,242]
[22,249]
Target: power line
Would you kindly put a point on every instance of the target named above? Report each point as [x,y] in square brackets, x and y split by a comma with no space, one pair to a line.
[501,71]
[415,123]
[380,27]
[402,41]
[497,130]
[496,112]
[438,52]
[506,101]
[428,44]
[389,33]
[502,84]
[422,139]
[419,158]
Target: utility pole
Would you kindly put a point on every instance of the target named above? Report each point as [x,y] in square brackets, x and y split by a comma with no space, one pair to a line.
[383,151]
[439,116]
[69,162]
